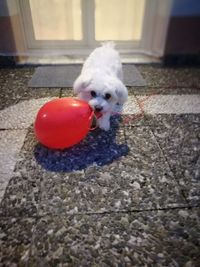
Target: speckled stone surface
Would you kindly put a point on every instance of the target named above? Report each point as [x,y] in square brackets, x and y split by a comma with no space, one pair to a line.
[124,169]
[170,120]
[155,238]
[22,114]
[181,146]
[15,240]
[67,92]
[9,142]
[23,191]
[129,197]
[141,179]
[14,87]
[170,77]
[171,104]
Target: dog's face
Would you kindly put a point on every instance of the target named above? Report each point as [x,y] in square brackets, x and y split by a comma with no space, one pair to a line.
[101,93]
[101,101]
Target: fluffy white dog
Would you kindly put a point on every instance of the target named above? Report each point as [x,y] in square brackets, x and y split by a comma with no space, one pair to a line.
[100,82]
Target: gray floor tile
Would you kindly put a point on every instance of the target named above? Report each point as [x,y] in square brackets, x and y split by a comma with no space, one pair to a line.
[22,195]
[171,120]
[170,104]
[140,180]
[38,164]
[22,92]
[148,167]
[16,82]
[9,151]
[15,87]
[170,77]
[22,114]
[181,145]
[15,240]
[155,238]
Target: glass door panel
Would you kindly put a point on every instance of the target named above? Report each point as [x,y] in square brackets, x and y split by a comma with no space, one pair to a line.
[119,20]
[57,20]
[75,27]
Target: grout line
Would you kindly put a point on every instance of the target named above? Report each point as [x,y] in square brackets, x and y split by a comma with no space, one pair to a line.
[32,240]
[139,211]
[14,129]
[130,211]
[170,167]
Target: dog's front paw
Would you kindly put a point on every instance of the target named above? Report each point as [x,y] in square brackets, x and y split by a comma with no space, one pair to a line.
[104,124]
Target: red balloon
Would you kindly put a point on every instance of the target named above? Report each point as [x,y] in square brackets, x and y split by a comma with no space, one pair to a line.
[63,122]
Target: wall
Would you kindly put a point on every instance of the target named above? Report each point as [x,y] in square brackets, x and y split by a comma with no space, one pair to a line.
[184,28]
[185,8]
[10,28]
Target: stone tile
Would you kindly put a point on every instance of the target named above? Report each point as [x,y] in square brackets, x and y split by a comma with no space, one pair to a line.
[15,86]
[15,240]
[140,180]
[159,76]
[10,146]
[146,166]
[153,111]
[16,82]
[21,115]
[180,143]
[22,195]
[169,120]
[154,238]
[38,165]
[170,104]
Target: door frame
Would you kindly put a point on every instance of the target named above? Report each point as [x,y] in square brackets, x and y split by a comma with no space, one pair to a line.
[157,14]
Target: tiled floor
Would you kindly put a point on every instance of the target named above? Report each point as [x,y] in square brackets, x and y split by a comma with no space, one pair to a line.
[127,197]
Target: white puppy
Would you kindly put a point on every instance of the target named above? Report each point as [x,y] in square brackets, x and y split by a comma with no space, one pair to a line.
[100,82]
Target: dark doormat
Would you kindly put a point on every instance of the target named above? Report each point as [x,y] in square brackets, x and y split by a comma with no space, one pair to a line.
[64,76]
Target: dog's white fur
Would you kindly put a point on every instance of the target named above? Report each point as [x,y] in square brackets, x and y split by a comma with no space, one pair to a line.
[100,82]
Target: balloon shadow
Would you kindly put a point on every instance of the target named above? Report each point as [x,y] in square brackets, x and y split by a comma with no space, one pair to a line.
[99,148]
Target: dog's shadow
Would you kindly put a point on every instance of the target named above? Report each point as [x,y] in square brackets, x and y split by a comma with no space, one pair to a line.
[99,148]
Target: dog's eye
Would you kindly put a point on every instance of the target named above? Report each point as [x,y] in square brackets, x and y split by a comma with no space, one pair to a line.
[93,93]
[107,96]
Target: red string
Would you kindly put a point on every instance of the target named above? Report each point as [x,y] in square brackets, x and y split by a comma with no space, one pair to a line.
[140,115]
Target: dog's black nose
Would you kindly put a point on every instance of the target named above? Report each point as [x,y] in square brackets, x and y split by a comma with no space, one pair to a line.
[98,108]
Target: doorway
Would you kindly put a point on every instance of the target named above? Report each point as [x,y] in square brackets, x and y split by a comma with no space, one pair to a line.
[77,26]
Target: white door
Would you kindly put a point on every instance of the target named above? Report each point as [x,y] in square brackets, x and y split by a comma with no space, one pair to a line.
[76,26]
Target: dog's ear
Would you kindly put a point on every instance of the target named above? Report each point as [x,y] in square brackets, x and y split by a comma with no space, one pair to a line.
[81,83]
[121,92]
